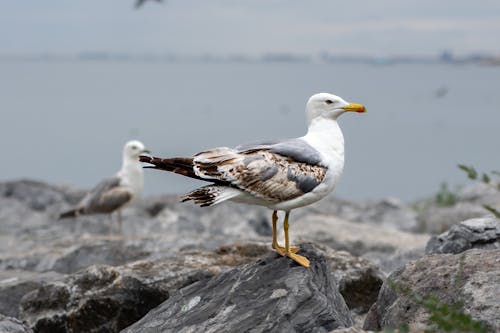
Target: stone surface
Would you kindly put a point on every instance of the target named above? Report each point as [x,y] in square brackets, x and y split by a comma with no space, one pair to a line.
[105,298]
[15,284]
[471,278]
[98,299]
[387,247]
[436,219]
[273,294]
[13,325]
[359,280]
[479,233]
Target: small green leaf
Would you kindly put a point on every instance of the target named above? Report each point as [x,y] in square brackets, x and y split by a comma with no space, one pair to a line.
[492,210]
[471,172]
[486,179]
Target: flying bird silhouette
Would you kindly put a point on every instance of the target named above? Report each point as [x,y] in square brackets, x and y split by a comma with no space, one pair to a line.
[139,3]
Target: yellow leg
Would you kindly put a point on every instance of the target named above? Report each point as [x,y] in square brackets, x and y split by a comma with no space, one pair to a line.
[275,245]
[297,258]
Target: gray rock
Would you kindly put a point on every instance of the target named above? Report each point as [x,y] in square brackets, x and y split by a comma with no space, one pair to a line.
[98,299]
[38,195]
[13,325]
[387,247]
[479,233]
[104,298]
[15,284]
[436,219]
[273,294]
[471,278]
[389,212]
[358,279]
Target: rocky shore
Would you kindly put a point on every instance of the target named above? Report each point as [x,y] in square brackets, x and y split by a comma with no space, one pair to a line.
[179,268]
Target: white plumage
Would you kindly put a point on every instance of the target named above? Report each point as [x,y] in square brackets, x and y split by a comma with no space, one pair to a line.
[282,175]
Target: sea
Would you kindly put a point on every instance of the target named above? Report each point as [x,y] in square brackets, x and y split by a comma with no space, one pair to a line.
[65,122]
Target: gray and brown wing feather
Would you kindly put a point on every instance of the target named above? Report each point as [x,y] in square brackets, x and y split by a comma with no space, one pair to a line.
[106,197]
[260,172]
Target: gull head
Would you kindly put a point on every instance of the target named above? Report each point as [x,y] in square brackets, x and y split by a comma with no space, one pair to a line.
[324,105]
[133,149]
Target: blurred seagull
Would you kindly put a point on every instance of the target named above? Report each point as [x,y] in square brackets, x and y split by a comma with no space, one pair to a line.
[114,193]
[139,3]
[281,175]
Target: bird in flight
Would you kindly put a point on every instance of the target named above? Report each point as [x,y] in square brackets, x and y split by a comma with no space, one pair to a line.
[114,193]
[281,175]
[139,3]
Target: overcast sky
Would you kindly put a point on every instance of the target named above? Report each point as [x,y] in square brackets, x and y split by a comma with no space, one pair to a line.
[250,26]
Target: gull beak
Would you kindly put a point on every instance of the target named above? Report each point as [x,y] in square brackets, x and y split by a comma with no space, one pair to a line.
[145,151]
[353,107]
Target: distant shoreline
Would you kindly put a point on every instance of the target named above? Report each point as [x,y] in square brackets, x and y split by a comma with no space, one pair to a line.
[288,58]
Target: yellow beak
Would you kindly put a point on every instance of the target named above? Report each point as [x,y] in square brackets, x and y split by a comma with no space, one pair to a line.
[353,107]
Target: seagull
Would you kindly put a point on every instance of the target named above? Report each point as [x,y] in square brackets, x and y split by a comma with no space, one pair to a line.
[114,193]
[281,175]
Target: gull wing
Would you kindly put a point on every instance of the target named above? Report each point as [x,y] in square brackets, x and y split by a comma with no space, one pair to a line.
[106,197]
[270,172]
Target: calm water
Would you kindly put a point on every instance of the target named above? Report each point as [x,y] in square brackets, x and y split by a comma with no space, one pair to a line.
[66,122]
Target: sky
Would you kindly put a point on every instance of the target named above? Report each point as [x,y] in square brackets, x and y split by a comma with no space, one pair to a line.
[221,27]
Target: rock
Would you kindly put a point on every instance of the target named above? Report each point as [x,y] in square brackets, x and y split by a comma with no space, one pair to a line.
[95,300]
[358,279]
[349,330]
[15,284]
[471,278]
[13,325]
[104,298]
[436,219]
[386,247]
[389,212]
[273,294]
[479,233]
[38,195]
[68,258]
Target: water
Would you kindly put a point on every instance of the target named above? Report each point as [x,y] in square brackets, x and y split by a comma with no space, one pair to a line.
[66,122]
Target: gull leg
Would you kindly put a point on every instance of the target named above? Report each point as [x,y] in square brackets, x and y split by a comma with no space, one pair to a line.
[275,245]
[119,213]
[297,258]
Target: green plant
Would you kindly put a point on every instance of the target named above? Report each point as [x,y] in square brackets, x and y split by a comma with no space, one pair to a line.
[443,317]
[486,179]
[444,197]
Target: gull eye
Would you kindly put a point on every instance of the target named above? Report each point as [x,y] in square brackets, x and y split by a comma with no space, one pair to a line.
[328,101]
[134,147]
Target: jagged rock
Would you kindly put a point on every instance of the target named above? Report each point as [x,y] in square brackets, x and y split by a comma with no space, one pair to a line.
[38,195]
[471,278]
[480,233]
[358,279]
[71,258]
[12,325]
[98,299]
[104,298]
[274,294]
[15,284]
[436,219]
[389,212]
[349,330]
[386,247]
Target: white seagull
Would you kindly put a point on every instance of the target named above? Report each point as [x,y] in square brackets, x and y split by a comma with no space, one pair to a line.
[281,175]
[114,193]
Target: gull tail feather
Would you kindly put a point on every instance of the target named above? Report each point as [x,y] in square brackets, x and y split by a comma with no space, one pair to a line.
[180,165]
[70,213]
[210,195]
